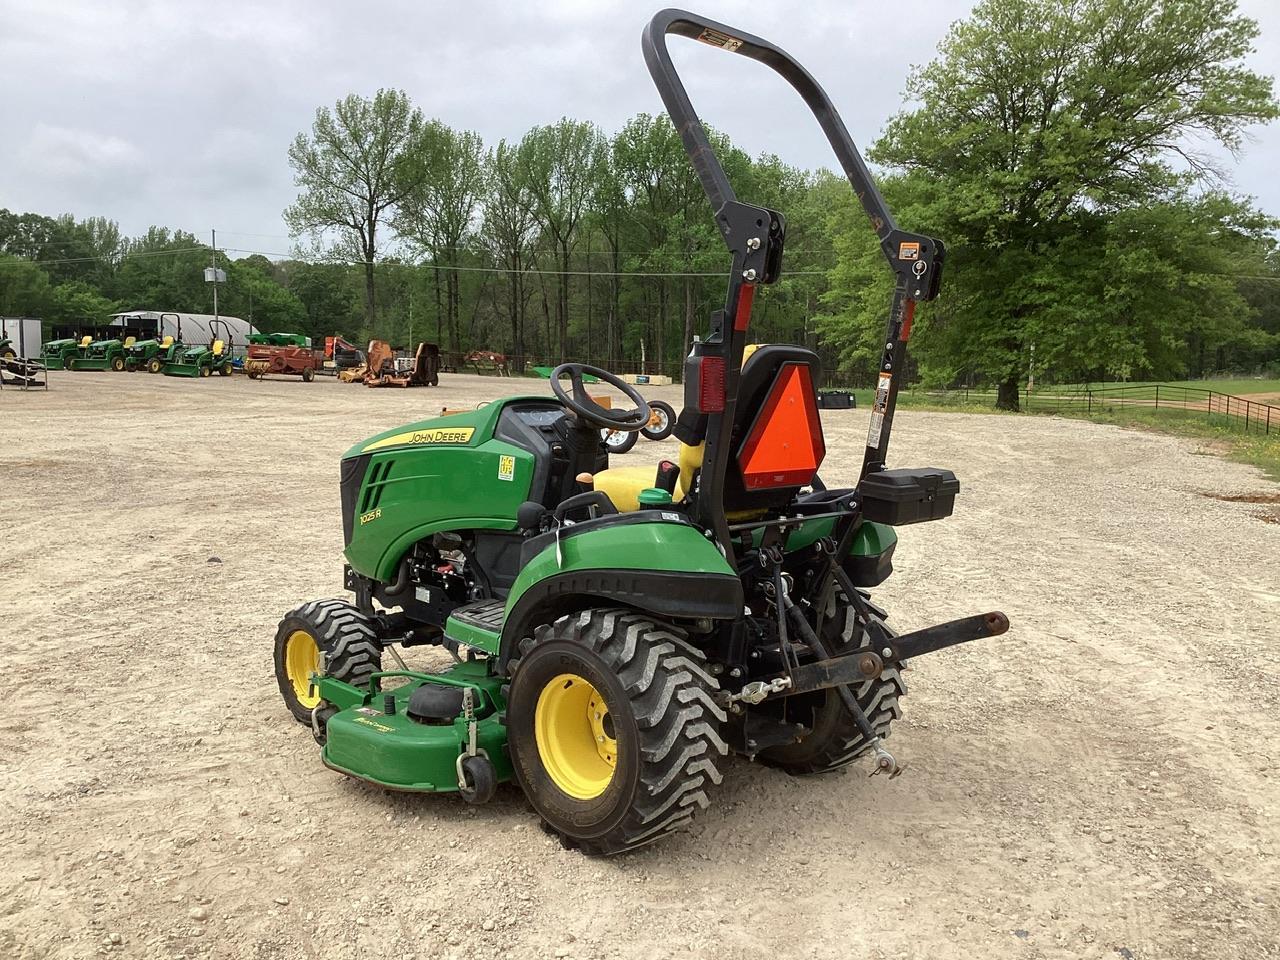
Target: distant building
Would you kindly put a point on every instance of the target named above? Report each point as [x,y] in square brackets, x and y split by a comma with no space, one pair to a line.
[191,328]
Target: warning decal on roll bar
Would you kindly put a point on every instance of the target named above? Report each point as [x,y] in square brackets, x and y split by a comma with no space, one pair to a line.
[718,39]
[877,411]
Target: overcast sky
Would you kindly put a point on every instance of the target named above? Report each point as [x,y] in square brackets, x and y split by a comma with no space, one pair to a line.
[179,114]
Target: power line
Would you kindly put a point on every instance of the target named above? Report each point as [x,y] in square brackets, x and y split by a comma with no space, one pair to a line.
[123,256]
[458,268]
[511,270]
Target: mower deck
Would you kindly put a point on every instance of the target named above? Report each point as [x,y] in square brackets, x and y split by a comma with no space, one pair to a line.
[373,737]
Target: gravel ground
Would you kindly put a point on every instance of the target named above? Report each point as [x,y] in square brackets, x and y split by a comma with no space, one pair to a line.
[1101,782]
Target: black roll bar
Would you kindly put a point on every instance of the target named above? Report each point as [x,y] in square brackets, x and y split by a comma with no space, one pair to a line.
[674,96]
[755,236]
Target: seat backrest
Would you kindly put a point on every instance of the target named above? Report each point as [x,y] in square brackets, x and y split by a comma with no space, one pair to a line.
[129,342]
[797,372]
[217,348]
[85,341]
[168,342]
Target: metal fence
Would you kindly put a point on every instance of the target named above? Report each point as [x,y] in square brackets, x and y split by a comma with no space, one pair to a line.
[1251,416]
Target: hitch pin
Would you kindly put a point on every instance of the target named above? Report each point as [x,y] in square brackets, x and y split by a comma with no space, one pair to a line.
[757,691]
[884,762]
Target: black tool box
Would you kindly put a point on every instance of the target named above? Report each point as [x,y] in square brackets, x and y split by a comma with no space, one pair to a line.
[899,497]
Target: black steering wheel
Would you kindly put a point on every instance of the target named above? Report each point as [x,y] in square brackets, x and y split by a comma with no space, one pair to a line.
[580,402]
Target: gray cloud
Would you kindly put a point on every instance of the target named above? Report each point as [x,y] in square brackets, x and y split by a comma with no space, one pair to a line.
[180,113]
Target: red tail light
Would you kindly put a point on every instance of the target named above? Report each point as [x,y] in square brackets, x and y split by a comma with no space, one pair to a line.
[711,385]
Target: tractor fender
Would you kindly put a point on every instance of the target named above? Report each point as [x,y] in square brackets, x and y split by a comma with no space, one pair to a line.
[662,565]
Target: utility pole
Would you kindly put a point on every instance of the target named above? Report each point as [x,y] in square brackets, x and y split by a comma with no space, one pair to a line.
[215,276]
[213,235]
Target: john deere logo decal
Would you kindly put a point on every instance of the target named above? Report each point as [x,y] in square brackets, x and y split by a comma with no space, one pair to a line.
[439,435]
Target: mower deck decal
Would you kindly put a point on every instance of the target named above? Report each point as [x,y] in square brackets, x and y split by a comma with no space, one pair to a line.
[416,437]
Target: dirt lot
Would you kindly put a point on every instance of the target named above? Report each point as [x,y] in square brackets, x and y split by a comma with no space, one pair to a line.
[1101,782]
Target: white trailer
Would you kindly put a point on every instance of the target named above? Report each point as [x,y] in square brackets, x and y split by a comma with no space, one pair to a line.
[191,328]
[24,333]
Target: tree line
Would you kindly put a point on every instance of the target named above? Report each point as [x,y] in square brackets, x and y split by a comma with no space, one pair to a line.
[1057,146]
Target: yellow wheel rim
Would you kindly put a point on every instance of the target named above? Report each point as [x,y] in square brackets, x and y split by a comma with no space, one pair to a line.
[301,660]
[575,735]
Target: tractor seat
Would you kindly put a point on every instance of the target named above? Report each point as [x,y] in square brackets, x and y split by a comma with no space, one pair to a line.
[217,348]
[129,342]
[623,484]
[763,368]
[85,341]
[168,342]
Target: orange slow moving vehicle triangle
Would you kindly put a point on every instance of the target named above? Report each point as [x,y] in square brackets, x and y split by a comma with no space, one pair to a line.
[785,446]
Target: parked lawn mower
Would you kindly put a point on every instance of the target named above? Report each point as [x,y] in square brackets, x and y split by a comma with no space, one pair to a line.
[620,630]
[203,361]
[168,352]
[144,354]
[58,354]
[99,355]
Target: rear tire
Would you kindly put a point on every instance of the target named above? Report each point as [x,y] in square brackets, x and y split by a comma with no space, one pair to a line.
[155,365]
[835,740]
[308,375]
[117,364]
[225,369]
[329,637]
[655,720]
[666,416]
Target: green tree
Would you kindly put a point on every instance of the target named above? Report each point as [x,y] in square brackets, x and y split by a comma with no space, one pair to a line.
[436,215]
[77,303]
[1041,121]
[352,172]
[557,162]
[507,234]
[24,288]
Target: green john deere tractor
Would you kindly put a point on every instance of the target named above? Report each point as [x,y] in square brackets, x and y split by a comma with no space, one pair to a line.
[58,354]
[146,354]
[618,631]
[199,360]
[99,355]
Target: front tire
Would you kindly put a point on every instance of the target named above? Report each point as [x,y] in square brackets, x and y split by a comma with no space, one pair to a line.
[662,420]
[155,365]
[308,375]
[834,739]
[117,364]
[613,729]
[329,637]
[618,441]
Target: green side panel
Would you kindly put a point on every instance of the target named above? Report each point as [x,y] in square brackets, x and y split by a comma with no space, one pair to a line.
[411,493]
[391,750]
[447,473]
[661,545]
[872,539]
